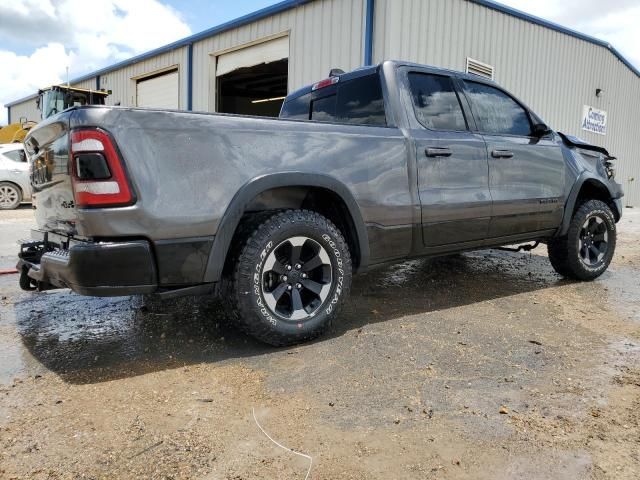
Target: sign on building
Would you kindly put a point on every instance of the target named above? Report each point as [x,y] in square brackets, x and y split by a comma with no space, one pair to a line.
[594,120]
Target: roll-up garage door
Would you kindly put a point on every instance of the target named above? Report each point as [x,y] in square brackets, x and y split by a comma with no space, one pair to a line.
[159,91]
[265,52]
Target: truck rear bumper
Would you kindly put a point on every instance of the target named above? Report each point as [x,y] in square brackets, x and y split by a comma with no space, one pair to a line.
[102,269]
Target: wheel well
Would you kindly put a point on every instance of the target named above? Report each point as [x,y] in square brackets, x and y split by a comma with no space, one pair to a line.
[321,200]
[593,190]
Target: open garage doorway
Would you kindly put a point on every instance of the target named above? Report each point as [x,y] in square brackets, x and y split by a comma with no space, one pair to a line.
[253,80]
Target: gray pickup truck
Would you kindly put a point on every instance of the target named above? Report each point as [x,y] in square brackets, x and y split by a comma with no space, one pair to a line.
[381,164]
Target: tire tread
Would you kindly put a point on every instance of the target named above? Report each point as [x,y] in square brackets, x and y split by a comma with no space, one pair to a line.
[257,232]
[563,253]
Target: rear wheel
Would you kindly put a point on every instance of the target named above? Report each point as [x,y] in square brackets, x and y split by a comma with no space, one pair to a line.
[290,278]
[10,196]
[587,249]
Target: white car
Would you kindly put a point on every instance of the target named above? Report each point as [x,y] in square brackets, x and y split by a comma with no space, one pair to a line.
[15,187]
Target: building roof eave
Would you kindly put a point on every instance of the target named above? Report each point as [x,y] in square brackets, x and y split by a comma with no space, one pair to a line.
[557,27]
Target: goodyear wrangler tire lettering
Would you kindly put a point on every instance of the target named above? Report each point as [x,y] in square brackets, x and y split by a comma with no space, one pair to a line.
[295,270]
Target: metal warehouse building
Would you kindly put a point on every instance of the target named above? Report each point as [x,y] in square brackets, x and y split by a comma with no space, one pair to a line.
[578,84]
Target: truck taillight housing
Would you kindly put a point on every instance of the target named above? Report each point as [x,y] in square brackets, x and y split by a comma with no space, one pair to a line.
[98,174]
[327,82]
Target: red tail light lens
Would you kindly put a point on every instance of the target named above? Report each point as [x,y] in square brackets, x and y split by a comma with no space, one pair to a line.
[327,82]
[99,177]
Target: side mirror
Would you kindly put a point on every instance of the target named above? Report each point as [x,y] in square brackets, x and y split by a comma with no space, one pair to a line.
[540,130]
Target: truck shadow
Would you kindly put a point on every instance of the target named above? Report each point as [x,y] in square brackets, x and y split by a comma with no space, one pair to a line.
[88,340]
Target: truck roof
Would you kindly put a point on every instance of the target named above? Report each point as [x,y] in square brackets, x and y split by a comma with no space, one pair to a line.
[358,72]
[372,69]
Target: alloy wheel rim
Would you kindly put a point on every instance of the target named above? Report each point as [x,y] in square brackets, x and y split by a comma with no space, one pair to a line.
[296,278]
[593,241]
[8,196]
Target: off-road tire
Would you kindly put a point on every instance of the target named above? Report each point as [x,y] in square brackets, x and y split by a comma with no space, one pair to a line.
[17,194]
[242,286]
[564,252]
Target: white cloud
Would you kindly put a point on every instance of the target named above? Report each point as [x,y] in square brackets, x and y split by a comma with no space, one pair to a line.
[83,35]
[614,21]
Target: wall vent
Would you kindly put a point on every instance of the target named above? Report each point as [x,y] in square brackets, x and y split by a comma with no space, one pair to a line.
[476,67]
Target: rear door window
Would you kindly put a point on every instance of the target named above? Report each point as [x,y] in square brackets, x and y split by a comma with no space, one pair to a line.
[435,102]
[496,112]
[17,156]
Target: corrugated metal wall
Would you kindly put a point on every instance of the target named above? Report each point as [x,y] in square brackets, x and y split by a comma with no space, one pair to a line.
[122,82]
[87,84]
[27,109]
[323,34]
[552,72]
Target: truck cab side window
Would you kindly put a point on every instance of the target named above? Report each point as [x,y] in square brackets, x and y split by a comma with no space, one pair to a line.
[436,103]
[496,112]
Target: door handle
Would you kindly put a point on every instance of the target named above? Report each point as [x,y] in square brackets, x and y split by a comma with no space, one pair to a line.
[438,152]
[502,154]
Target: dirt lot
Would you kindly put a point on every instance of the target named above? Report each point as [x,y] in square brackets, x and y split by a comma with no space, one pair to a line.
[481,366]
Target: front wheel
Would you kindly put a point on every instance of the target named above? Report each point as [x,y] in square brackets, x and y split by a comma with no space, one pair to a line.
[290,278]
[10,196]
[587,249]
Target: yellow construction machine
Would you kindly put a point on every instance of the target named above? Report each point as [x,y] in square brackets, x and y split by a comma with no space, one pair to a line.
[50,101]
[15,132]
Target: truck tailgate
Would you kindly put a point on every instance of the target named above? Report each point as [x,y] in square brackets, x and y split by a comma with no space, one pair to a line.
[48,149]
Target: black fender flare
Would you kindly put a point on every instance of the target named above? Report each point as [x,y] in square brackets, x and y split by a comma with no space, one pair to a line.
[573,198]
[237,206]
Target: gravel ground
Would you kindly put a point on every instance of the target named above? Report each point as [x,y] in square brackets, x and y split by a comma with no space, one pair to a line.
[480,366]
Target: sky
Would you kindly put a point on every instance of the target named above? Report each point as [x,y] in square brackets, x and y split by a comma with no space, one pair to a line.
[39,39]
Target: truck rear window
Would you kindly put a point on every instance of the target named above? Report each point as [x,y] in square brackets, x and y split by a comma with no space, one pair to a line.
[356,102]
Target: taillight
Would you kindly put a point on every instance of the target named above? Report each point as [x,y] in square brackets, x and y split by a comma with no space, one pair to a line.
[99,177]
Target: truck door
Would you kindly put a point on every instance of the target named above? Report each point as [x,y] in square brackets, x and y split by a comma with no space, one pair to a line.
[526,172]
[453,181]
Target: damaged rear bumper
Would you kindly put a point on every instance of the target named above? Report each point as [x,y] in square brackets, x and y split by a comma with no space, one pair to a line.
[101,269]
